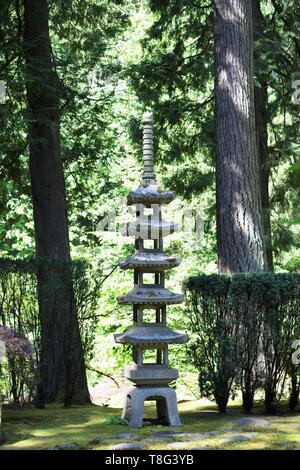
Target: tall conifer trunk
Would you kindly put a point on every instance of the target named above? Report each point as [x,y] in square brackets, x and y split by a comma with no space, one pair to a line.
[239,221]
[261,119]
[62,369]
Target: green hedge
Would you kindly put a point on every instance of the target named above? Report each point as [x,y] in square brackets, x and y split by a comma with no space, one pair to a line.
[243,327]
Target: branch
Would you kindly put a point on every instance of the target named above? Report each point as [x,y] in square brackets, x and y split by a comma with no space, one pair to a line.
[102,373]
[19,19]
[109,274]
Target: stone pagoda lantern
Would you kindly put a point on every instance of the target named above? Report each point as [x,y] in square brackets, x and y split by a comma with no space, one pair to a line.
[151,380]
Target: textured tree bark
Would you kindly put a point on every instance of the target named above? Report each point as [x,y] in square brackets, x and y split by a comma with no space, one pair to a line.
[240,239]
[261,119]
[62,369]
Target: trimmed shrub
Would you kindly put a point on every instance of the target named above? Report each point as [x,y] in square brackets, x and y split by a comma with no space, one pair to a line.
[243,327]
[213,345]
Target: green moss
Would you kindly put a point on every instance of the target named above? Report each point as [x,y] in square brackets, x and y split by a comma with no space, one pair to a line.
[40,429]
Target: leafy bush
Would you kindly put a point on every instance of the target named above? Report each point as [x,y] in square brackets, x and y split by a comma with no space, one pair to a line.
[19,315]
[116,420]
[19,363]
[243,327]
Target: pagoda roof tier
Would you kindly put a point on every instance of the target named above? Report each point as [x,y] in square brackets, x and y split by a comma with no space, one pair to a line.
[151,194]
[150,334]
[154,261]
[150,374]
[149,228]
[151,295]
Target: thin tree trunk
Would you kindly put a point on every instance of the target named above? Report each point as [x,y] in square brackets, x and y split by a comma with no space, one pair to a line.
[294,389]
[60,338]
[261,118]
[239,223]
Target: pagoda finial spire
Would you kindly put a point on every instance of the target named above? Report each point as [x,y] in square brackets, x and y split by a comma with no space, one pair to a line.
[148,153]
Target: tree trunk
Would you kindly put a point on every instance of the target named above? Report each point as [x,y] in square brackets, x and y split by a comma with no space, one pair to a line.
[271,402]
[248,401]
[295,388]
[261,118]
[221,395]
[60,338]
[240,239]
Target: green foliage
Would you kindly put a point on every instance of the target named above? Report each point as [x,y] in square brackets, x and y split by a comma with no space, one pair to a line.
[116,420]
[86,58]
[19,311]
[243,327]
[175,79]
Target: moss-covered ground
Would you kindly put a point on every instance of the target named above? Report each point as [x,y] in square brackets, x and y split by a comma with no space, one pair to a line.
[36,429]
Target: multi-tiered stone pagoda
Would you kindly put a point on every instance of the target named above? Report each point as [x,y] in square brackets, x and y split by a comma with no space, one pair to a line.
[151,380]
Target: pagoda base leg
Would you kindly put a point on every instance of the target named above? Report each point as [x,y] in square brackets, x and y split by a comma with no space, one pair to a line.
[166,404]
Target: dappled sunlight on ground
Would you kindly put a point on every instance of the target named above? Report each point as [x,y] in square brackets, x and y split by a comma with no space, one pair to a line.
[82,425]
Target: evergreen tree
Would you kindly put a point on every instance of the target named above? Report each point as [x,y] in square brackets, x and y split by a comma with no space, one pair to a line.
[62,368]
[176,78]
[239,226]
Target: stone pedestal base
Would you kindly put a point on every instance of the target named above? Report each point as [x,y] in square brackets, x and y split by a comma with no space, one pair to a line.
[166,405]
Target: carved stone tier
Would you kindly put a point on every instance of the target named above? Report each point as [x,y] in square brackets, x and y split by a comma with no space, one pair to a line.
[151,334]
[151,295]
[151,262]
[150,195]
[151,374]
[149,228]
